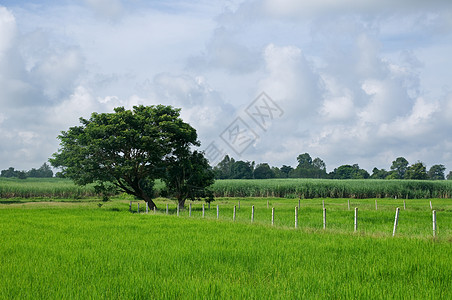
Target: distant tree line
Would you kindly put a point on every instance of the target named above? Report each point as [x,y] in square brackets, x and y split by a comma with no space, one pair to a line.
[307,167]
[43,172]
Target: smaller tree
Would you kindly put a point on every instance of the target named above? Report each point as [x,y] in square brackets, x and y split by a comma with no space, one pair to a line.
[400,166]
[379,174]
[188,178]
[263,171]
[416,171]
[285,170]
[449,176]
[10,172]
[436,172]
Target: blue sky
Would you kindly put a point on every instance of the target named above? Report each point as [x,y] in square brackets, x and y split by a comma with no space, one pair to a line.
[356,81]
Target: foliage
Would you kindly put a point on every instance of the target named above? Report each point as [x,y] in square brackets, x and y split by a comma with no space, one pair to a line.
[379,174]
[349,172]
[43,172]
[308,168]
[416,171]
[400,166]
[263,171]
[188,176]
[436,172]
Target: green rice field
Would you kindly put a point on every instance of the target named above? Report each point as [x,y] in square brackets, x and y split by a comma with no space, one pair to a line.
[89,249]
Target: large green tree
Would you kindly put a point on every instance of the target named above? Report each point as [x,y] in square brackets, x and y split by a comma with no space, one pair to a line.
[127,148]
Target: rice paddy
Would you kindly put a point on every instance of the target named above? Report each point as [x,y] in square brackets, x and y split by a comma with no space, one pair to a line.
[90,249]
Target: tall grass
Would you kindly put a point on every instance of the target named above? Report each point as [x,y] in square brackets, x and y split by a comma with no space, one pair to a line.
[43,187]
[323,188]
[99,253]
[283,188]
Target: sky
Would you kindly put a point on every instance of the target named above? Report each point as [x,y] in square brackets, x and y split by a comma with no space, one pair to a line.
[349,81]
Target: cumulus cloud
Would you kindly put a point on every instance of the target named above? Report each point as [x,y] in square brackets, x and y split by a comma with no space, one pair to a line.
[110,9]
[330,7]
[358,82]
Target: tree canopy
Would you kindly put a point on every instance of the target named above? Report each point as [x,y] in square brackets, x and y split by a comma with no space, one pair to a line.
[128,148]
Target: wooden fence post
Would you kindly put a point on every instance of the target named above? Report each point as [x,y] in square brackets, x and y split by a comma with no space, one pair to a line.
[252,213]
[203,210]
[376,205]
[431,207]
[434,223]
[138,207]
[234,214]
[155,209]
[356,219]
[273,216]
[324,218]
[147,207]
[323,204]
[267,204]
[218,212]
[404,206]
[189,210]
[396,221]
[177,209]
[130,206]
[166,208]
[348,204]
[299,203]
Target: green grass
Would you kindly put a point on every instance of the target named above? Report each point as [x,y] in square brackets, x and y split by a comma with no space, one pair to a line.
[79,250]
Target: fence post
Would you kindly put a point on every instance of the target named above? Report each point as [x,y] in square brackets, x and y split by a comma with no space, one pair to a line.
[138,207]
[356,219]
[323,204]
[434,223]
[299,203]
[348,204]
[376,205]
[239,204]
[324,218]
[130,206]
[252,213]
[155,209]
[189,210]
[396,221]
[273,216]
[296,216]
[218,212]
[267,204]
[203,210]
[147,207]
[166,208]
[431,207]
[404,206]
[234,214]
[177,209]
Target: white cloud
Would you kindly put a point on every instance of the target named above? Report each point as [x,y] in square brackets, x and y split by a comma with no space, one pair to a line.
[293,8]
[111,9]
[359,82]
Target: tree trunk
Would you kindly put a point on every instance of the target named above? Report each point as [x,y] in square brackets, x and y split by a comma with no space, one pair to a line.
[151,203]
[181,204]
